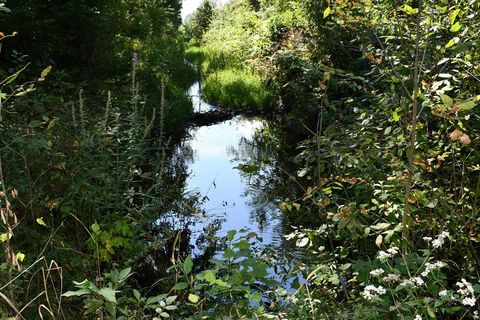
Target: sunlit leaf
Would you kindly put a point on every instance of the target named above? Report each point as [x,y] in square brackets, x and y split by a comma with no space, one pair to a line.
[193,298]
[452,42]
[76,293]
[327,12]
[467,105]
[457,26]
[446,100]
[41,222]
[409,10]
[210,277]
[45,73]
[20,256]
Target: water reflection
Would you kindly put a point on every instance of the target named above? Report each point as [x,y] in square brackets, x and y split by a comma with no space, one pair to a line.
[224,188]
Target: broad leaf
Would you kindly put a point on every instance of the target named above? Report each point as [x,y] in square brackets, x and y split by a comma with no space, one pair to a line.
[193,298]
[76,293]
[108,294]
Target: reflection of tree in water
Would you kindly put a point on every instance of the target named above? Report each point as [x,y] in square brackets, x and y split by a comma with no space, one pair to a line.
[265,163]
[169,233]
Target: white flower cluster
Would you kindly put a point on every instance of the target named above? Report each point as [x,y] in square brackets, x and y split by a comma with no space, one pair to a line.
[443,293]
[417,317]
[413,282]
[429,267]
[465,289]
[440,240]
[376,272]
[371,292]
[391,277]
[391,252]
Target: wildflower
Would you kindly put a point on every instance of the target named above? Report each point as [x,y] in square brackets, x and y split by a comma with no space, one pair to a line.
[428,239]
[465,288]
[429,267]
[417,317]
[371,292]
[383,256]
[393,250]
[376,272]
[134,59]
[475,315]
[469,301]
[391,277]
[413,282]
[440,240]
[443,293]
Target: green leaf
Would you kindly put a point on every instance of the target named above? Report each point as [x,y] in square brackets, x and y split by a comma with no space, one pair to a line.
[77,293]
[467,105]
[136,294]
[452,42]
[35,124]
[164,315]
[108,294]
[155,299]
[3,96]
[457,26]
[180,286]
[410,10]
[20,256]
[395,116]
[188,265]
[222,283]
[210,277]
[453,15]
[45,73]
[230,235]
[193,298]
[95,228]
[171,299]
[124,274]
[327,12]
[446,100]
[229,253]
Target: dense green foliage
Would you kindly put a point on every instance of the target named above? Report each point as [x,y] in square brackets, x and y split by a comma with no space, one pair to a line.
[384,96]
[377,102]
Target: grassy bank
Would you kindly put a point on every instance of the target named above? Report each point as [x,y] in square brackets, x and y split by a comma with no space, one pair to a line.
[225,82]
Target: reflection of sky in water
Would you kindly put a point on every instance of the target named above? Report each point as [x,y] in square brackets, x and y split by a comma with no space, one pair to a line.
[213,175]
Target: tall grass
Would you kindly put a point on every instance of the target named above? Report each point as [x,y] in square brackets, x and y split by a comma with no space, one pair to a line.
[235,88]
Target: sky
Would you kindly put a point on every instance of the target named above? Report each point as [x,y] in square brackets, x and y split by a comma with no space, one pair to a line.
[189,6]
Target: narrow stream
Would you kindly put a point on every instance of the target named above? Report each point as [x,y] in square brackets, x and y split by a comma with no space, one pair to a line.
[213,175]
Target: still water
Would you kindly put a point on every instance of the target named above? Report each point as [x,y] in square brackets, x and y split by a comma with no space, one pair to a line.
[226,190]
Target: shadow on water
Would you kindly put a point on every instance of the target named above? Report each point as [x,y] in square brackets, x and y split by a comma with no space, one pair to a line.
[232,179]
[233,182]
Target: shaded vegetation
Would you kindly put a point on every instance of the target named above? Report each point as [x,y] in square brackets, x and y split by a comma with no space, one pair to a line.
[378,105]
